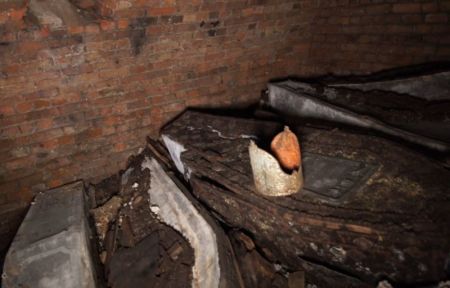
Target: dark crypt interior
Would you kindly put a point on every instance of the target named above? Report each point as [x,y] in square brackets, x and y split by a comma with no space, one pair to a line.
[225,143]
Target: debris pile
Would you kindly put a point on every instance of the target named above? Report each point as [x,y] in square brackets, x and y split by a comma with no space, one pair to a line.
[136,248]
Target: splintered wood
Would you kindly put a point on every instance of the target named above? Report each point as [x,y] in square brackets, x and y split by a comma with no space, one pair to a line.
[138,250]
[160,236]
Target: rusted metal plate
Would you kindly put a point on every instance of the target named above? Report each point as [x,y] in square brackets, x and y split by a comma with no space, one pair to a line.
[334,178]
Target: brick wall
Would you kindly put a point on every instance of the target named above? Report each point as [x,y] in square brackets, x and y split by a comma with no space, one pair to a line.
[77,100]
[363,36]
[12,13]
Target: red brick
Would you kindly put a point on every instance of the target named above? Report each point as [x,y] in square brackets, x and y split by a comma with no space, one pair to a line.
[158,11]
[443,52]
[8,36]
[92,28]
[66,139]
[122,24]
[54,183]
[378,9]
[6,110]
[106,25]
[85,4]
[12,69]
[95,133]
[17,15]
[75,29]
[44,32]
[177,106]
[30,47]
[4,17]
[252,11]
[141,2]
[430,7]
[119,147]
[399,29]
[111,120]
[436,18]
[407,8]
[412,19]
[44,124]
[24,107]
[444,6]
[49,144]
[19,163]
[39,104]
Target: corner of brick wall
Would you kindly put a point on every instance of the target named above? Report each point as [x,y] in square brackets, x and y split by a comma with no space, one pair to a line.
[77,101]
[363,36]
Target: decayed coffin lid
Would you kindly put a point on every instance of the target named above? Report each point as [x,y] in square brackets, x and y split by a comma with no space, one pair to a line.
[397,211]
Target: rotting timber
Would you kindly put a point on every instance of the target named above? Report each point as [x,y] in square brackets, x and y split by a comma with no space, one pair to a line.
[390,221]
[161,237]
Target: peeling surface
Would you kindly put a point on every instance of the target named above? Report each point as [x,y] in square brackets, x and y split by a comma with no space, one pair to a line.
[175,150]
[177,211]
[55,13]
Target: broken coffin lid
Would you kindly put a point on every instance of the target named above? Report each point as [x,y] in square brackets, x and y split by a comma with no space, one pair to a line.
[52,246]
[377,213]
[404,117]
[427,81]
